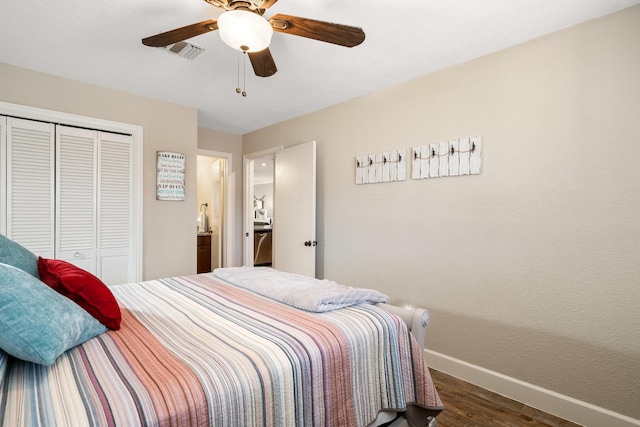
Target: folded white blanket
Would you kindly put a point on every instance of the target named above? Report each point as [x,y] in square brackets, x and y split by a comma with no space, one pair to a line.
[302,292]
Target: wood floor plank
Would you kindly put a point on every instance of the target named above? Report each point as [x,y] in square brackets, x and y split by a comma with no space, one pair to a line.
[467,405]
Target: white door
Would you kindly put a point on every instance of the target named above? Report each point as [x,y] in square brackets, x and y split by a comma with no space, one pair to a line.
[115,260]
[3,180]
[294,210]
[66,193]
[216,218]
[29,193]
[76,177]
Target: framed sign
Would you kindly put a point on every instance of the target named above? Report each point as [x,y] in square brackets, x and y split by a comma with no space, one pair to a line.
[170,176]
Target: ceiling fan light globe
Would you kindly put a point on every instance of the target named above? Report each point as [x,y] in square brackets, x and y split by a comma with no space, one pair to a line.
[242,29]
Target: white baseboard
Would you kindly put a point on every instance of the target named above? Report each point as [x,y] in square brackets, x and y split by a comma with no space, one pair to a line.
[562,406]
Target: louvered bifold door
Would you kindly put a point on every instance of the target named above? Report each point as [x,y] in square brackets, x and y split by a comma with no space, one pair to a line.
[76,198]
[3,175]
[115,237]
[29,178]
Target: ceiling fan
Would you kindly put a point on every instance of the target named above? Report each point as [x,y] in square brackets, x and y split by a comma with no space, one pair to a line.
[243,27]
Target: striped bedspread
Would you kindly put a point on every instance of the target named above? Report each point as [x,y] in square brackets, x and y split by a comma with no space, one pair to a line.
[194,351]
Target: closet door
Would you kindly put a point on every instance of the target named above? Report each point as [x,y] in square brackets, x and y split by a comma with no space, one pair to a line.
[66,193]
[3,175]
[76,196]
[30,185]
[115,236]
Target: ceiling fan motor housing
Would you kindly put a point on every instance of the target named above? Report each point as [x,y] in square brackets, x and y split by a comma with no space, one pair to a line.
[257,6]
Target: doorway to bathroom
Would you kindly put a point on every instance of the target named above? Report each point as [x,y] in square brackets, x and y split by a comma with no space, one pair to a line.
[212,216]
[291,218]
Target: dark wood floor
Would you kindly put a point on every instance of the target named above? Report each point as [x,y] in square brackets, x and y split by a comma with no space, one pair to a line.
[467,405]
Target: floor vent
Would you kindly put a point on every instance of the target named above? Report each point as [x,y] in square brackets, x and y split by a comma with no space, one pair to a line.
[184,49]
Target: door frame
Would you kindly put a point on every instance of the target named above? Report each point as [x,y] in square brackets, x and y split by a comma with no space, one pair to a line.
[247,201]
[228,224]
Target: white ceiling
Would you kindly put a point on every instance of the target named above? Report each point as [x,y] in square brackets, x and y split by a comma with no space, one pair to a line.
[98,41]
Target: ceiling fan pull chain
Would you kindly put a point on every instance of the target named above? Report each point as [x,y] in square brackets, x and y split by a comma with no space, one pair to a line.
[238,73]
[244,74]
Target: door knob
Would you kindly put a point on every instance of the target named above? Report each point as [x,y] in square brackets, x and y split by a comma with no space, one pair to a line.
[307,243]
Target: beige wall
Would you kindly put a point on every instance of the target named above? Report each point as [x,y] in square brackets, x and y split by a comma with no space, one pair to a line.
[531,269]
[169,247]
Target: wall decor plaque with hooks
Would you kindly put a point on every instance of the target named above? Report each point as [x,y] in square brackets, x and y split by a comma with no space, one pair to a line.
[387,166]
[447,158]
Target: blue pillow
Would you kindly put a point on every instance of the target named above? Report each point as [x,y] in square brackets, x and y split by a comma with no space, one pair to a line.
[13,253]
[38,324]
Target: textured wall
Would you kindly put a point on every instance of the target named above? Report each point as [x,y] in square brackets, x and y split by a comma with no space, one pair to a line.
[531,269]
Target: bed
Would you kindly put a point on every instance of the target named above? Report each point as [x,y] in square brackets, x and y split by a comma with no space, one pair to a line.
[202,351]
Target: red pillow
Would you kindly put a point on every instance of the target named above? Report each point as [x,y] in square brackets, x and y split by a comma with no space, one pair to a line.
[83,288]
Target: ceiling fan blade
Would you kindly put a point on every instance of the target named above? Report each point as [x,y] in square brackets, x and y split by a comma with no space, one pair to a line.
[342,35]
[263,63]
[179,34]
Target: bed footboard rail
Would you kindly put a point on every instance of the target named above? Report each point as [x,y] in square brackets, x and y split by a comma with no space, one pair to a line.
[417,319]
